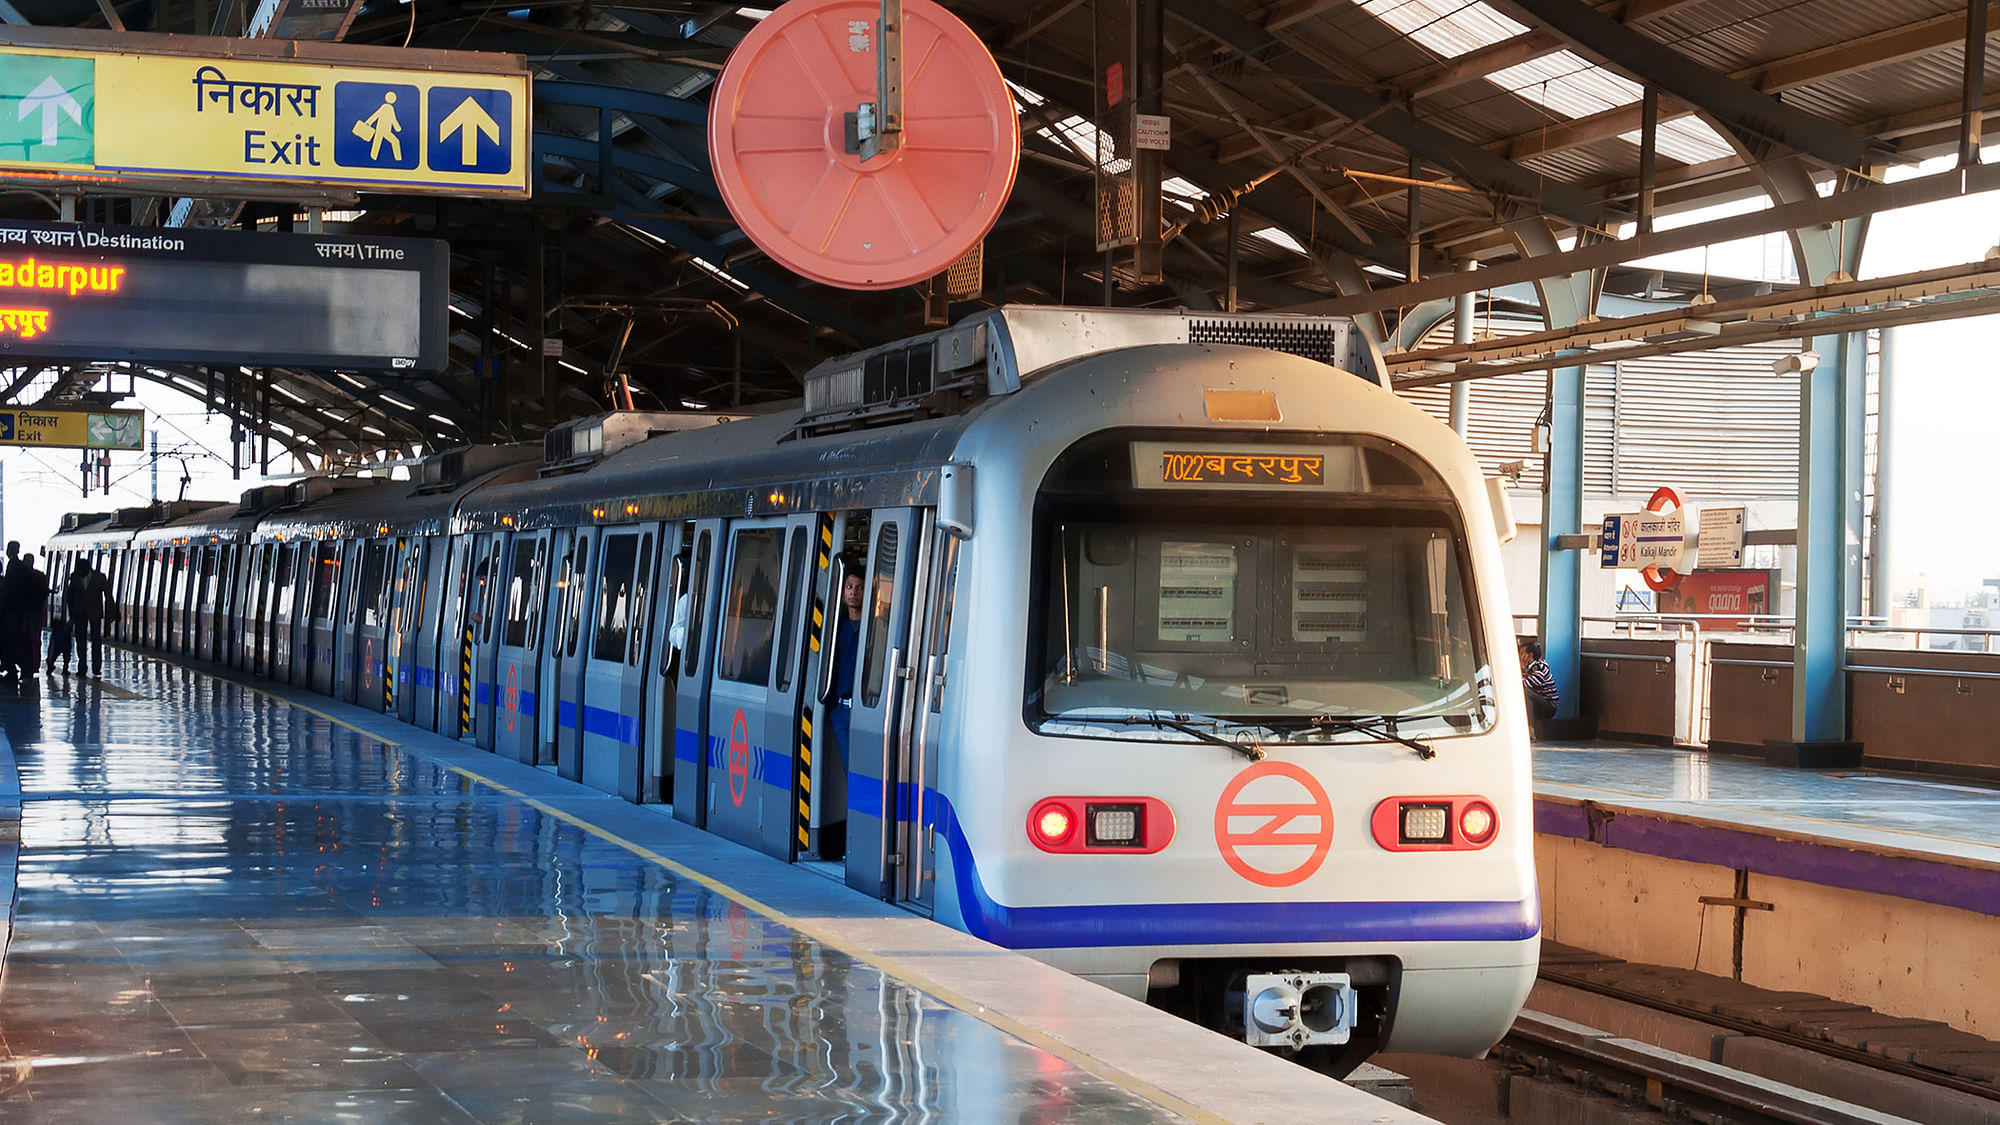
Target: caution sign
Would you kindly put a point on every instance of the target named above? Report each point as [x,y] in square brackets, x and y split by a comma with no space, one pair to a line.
[1274,824]
[146,109]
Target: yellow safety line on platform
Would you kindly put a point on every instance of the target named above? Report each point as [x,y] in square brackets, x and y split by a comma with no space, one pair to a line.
[888,966]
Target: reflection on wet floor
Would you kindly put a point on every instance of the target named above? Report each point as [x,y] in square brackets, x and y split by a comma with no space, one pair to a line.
[232,909]
[1650,776]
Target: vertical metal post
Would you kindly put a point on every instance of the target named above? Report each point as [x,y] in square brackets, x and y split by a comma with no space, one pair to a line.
[1881,578]
[1149,35]
[1649,146]
[1110,280]
[1461,333]
[156,467]
[1235,234]
[1974,118]
[264,423]
[1562,514]
[1414,206]
[1819,698]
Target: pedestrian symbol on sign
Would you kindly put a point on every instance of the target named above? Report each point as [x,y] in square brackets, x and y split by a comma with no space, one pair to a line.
[374,125]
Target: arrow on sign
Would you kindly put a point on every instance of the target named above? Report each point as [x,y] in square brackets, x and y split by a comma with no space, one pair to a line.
[6,427]
[469,121]
[51,100]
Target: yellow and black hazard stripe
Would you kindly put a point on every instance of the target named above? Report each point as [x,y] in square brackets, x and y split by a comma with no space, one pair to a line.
[806,688]
[465,684]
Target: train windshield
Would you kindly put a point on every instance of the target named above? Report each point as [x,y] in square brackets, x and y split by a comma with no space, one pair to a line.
[1281,615]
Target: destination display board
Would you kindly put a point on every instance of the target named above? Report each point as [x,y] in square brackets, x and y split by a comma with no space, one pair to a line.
[61,428]
[178,114]
[318,301]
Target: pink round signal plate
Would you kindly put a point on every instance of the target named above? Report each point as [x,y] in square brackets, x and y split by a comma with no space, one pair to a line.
[777,138]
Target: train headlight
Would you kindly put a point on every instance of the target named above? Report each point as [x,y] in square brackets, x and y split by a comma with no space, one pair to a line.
[1476,822]
[1462,823]
[1075,824]
[1426,824]
[1051,824]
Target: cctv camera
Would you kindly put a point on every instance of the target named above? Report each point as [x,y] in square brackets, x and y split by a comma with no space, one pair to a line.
[1797,364]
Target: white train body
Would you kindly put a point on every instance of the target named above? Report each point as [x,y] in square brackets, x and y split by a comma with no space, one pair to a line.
[1185,666]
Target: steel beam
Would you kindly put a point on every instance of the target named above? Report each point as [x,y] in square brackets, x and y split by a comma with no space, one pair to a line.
[1741,108]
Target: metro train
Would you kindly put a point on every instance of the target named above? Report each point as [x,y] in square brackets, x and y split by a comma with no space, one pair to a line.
[1183,659]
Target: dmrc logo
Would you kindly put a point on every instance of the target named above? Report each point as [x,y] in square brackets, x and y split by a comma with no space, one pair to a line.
[1254,820]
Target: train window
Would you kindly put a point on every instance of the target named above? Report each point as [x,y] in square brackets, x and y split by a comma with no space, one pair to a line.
[580,575]
[881,602]
[697,596]
[642,583]
[284,580]
[750,607]
[520,594]
[326,568]
[615,598]
[369,594]
[794,620]
[1268,622]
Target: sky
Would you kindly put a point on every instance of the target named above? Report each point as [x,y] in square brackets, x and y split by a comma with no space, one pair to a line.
[1943,425]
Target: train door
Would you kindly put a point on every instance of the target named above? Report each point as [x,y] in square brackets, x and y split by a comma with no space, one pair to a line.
[522,597]
[319,664]
[487,610]
[215,611]
[255,571]
[140,596]
[878,804]
[369,619]
[918,763]
[451,644]
[409,610]
[662,663]
[174,620]
[278,644]
[608,729]
[563,664]
[690,630]
[752,736]
[347,603]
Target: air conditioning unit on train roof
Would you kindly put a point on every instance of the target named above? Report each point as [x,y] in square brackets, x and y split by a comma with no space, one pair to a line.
[308,490]
[993,352]
[260,498]
[585,441]
[448,470]
[73,521]
[165,510]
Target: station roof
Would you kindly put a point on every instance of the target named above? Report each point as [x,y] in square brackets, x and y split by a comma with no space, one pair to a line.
[1496,131]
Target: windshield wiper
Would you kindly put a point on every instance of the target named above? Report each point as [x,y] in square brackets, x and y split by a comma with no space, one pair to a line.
[1168,722]
[1383,726]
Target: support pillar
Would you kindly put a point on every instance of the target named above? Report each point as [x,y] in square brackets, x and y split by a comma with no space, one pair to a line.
[1561,624]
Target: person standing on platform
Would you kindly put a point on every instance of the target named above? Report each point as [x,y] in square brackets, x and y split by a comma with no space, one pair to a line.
[87,604]
[31,613]
[1540,682]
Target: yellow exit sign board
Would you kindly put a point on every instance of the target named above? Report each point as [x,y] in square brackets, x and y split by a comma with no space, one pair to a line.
[139,107]
[73,429]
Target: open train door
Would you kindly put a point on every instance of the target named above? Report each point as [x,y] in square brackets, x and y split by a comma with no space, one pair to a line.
[883,705]
[611,714]
[689,629]
[564,659]
[519,599]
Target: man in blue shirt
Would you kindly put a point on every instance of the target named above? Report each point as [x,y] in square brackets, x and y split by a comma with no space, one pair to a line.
[846,647]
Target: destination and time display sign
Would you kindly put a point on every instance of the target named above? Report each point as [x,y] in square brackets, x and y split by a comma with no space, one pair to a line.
[326,124]
[88,292]
[1258,466]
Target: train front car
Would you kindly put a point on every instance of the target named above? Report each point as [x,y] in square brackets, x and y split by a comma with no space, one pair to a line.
[1238,727]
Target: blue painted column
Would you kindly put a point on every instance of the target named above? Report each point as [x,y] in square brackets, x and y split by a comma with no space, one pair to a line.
[1829,542]
[1561,623]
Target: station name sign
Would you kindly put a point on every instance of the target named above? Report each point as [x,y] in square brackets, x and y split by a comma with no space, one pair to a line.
[163,108]
[79,291]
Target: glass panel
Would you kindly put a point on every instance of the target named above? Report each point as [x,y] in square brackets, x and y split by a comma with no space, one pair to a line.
[1269,619]
[368,596]
[881,603]
[615,601]
[538,590]
[941,620]
[580,575]
[697,595]
[326,568]
[750,607]
[793,623]
[642,584]
[520,594]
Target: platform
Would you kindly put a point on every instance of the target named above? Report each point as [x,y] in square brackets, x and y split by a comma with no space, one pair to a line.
[232,906]
[1867,887]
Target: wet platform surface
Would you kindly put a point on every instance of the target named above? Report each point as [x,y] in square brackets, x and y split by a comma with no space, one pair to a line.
[1876,809]
[231,908]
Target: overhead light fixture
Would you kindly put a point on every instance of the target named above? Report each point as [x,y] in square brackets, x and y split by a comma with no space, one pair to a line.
[1797,363]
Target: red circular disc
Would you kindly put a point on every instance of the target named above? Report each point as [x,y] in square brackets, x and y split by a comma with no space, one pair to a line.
[1666,498]
[777,138]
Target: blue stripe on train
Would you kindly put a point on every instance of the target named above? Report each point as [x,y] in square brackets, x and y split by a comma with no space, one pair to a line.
[605,723]
[1223,923]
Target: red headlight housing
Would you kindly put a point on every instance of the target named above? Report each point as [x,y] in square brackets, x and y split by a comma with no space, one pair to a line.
[1072,825]
[1460,823]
